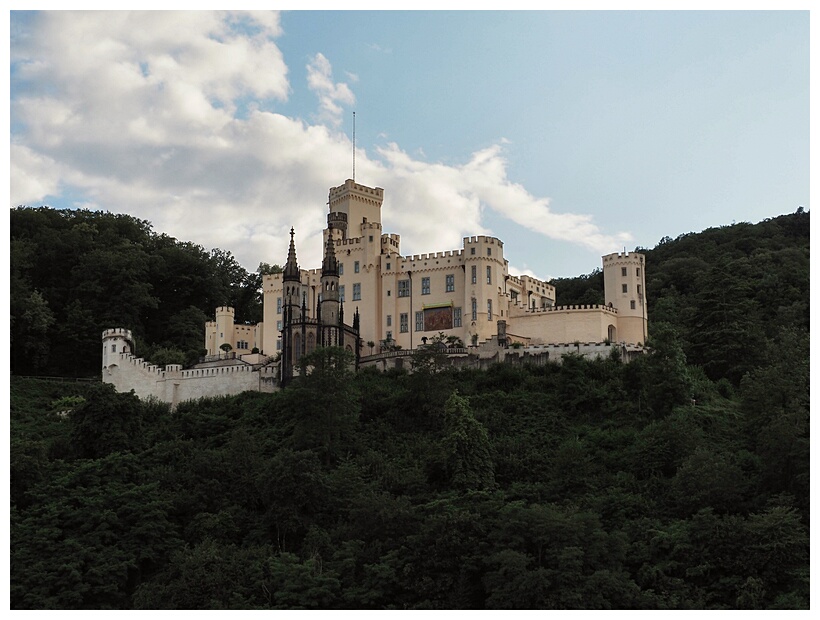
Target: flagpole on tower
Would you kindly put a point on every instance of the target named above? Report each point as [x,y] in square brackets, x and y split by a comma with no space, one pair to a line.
[354,146]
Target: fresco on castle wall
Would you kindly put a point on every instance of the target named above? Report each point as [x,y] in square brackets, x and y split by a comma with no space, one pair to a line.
[438,319]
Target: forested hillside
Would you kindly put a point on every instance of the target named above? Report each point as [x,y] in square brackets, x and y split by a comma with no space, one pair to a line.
[76,273]
[679,481]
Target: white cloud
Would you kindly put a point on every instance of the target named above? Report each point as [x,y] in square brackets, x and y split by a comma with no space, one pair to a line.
[168,117]
[332,96]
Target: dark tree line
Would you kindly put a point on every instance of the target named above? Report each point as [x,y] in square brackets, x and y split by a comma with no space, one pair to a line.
[590,484]
[76,273]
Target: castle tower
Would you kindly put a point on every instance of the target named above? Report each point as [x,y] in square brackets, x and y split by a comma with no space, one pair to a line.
[625,291]
[224,326]
[114,343]
[329,303]
[293,295]
[358,203]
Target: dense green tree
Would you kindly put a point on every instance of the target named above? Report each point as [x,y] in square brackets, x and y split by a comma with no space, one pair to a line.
[466,447]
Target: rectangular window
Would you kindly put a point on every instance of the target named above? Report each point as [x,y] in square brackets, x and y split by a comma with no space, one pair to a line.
[404,288]
[639,290]
[279,345]
[342,292]
[623,272]
[278,305]
[279,326]
[357,292]
[474,309]
[425,286]
[403,326]
[472,273]
[632,304]
[450,283]
[113,348]
[472,251]
[489,251]
[638,271]
[456,317]
[388,266]
[356,267]
[489,275]
[388,292]
[389,320]
[389,336]
[341,269]
[489,309]
[419,321]
[624,288]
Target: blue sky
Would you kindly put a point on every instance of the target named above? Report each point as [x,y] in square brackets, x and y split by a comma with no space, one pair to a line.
[566,134]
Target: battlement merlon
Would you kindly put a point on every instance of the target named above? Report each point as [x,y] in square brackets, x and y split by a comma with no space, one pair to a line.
[636,257]
[118,332]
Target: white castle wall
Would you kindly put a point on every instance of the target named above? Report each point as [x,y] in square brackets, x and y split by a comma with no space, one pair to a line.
[174,385]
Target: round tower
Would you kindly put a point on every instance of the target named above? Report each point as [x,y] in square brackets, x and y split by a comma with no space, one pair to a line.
[337,225]
[625,291]
[224,326]
[115,342]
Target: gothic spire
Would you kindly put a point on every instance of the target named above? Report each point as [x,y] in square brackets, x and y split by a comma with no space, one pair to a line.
[330,266]
[291,270]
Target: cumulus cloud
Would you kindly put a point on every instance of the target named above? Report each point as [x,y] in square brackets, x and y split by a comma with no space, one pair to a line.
[332,95]
[171,117]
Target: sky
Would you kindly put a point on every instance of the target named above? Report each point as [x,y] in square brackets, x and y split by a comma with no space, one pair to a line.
[568,135]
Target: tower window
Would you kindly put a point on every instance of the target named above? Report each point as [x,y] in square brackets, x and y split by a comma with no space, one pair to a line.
[489,309]
[624,288]
[456,317]
[388,266]
[404,288]
[472,251]
[357,292]
[389,320]
[341,269]
[638,271]
[474,309]
[113,348]
[403,323]
[279,326]
[632,304]
[356,265]
[278,305]
[623,272]
[450,283]
[489,275]
[425,286]
[489,251]
[473,273]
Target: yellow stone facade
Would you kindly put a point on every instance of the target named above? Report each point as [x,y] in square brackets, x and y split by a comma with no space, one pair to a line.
[465,293]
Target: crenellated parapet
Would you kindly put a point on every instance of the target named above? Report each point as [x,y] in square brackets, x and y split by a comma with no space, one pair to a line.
[567,308]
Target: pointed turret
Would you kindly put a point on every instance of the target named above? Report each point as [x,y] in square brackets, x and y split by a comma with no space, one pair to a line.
[330,266]
[329,313]
[291,270]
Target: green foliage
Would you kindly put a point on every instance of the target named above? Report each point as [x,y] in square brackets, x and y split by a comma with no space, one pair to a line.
[76,273]
[678,481]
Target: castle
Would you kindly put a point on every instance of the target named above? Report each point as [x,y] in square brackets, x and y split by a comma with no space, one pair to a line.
[464,297]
